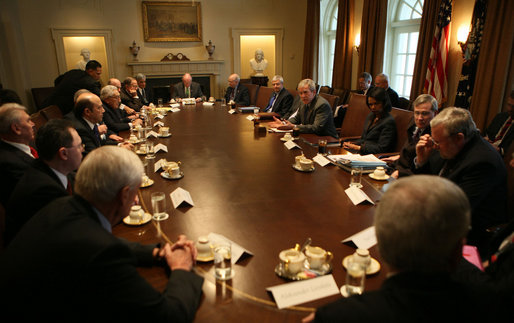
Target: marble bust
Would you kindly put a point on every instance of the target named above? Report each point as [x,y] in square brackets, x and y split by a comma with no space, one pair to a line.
[259,63]
[86,56]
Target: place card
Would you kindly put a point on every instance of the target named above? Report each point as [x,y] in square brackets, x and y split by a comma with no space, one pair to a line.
[159,116]
[180,196]
[152,133]
[357,195]
[237,250]
[174,105]
[158,164]
[159,147]
[208,104]
[158,123]
[290,144]
[175,109]
[322,161]
[250,117]
[300,292]
[362,240]
[232,111]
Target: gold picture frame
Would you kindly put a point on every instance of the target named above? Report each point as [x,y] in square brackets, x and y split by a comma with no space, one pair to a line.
[172,21]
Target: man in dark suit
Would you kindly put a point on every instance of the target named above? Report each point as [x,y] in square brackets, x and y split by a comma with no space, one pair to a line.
[129,96]
[455,150]
[116,119]
[421,224]
[65,257]
[60,153]
[382,80]
[70,82]
[236,92]
[364,83]
[313,116]
[187,89]
[16,156]
[142,92]
[281,100]
[500,132]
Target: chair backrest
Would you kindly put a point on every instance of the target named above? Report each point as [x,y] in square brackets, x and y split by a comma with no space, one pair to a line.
[52,112]
[332,100]
[404,103]
[355,116]
[40,94]
[343,94]
[294,93]
[403,118]
[263,96]
[164,92]
[253,89]
[325,89]
[39,120]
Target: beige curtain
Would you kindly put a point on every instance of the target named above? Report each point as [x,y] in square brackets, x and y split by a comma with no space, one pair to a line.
[342,75]
[311,42]
[426,31]
[494,62]
[371,52]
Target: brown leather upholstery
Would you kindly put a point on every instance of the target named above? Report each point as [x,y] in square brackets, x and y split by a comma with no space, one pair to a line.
[52,112]
[263,97]
[332,100]
[39,120]
[40,94]
[404,103]
[343,94]
[294,93]
[325,89]
[403,118]
[356,113]
[253,90]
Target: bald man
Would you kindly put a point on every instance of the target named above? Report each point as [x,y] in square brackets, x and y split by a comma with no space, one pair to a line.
[187,89]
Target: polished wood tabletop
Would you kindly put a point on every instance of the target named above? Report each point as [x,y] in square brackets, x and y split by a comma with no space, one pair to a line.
[244,187]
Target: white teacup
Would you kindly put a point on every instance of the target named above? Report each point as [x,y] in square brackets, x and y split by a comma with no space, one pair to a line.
[292,260]
[212,99]
[288,136]
[136,213]
[174,171]
[379,172]
[306,164]
[362,257]
[163,131]
[204,247]
[132,139]
[297,160]
[317,256]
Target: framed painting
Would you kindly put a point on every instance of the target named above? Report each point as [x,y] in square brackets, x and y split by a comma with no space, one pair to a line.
[172,21]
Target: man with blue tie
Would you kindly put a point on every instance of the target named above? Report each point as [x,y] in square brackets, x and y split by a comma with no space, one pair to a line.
[281,100]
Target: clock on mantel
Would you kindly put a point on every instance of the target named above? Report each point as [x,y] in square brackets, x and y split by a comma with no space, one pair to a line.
[172,57]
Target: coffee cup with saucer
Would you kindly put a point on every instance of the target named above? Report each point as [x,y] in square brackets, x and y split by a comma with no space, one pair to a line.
[136,214]
[306,164]
[318,258]
[379,174]
[164,131]
[287,137]
[291,261]
[204,248]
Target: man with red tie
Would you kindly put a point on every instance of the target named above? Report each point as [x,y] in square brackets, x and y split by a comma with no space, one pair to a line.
[60,153]
[16,156]
[500,132]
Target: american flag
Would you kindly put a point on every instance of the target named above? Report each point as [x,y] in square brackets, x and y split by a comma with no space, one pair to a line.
[436,83]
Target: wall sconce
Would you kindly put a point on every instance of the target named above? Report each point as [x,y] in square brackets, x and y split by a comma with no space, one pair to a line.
[462,37]
[357,43]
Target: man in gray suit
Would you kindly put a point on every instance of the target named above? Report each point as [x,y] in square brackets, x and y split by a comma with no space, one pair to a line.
[187,89]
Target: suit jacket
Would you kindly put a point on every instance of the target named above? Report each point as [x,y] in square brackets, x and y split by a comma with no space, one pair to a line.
[63,260]
[494,128]
[405,164]
[65,87]
[316,117]
[480,172]
[393,96]
[13,164]
[40,186]
[180,91]
[283,102]
[114,119]
[144,96]
[87,134]
[417,297]
[379,138]
[242,96]
[295,106]
[130,101]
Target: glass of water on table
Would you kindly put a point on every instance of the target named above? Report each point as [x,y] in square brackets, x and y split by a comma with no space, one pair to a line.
[222,261]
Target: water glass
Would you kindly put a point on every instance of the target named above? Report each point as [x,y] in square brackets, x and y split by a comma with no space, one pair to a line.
[159,206]
[223,102]
[150,151]
[159,102]
[355,278]
[222,261]
[256,110]
[356,177]
[322,147]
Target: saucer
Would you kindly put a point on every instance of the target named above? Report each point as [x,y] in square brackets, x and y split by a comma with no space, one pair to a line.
[373,268]
[379,178]
[205,258]
[161,136]
[148,183]
[284,139]
[303,171]
[306,273]
[140,152]
[146,218]
[165,175]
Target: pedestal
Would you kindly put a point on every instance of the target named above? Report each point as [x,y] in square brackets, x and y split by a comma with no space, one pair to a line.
[260,80]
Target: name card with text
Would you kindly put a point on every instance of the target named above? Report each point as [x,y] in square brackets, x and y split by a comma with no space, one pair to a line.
[159,147]
[158,164]
[175,109]
[159,116]
[363,240]
[357,195]
[322,161]
[303,291]
[158,123]
[291,144]
[180,196]
[151,134]
[232,111]
[251,117]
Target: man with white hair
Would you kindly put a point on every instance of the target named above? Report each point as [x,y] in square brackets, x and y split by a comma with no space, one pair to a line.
[142,91]
[421,224]
[66,258]
[237,93]
[281,100]
[16,156]
[116,119]
[187,89]
[382,80]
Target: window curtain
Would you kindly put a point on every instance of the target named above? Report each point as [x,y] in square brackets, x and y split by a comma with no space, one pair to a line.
[373,30]
[427,27]
[342,75]
[494,63]
[311,42]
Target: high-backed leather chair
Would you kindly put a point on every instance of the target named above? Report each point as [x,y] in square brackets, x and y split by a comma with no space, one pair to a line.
[52,112]
[356,114]
[253,90]
[403,118]
[343,94]
[38,119]
[325,89]
[40,94]
[332,100]
[263,97]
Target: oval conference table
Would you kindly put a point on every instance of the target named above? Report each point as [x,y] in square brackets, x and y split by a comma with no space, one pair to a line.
[244,187]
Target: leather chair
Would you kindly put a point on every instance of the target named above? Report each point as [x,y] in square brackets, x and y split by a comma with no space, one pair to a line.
[52,112]
[332,100]
[404,103]
[356,114]
[40,94]
[263,97]
[325,89]
[253,90]
[294,93]
[39,120]
[343,94]
[403,118]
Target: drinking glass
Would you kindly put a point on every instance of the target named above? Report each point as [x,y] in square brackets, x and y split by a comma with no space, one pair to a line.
[222,261]
[150,150]
[159,102]
[296,132]
[355,278]
[223,102]
[256,110]
[159,206]
[356,177]
[322,147]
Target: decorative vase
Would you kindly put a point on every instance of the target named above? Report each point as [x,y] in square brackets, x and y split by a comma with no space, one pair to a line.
[134,49]
[210,49]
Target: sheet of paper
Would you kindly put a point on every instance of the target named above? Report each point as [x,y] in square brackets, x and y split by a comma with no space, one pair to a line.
[321,160]
[237,250]
[300,292]
[250,117]
[175,109]
[158,164]
[357,195]
[174,105]
[208,104]
[179,196]
[278,130]
[159,147]
[364,239]
[232,111]
[152,133]
[290,144]
[158,123]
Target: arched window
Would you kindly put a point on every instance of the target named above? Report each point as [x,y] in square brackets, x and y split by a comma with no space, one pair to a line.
[327,44]
[404,19]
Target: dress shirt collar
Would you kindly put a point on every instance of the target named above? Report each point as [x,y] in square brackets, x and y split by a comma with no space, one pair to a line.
[90,124]
[103,220]
[20,146]
[63,178]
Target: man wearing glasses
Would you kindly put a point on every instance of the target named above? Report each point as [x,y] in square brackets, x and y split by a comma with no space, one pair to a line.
[129,96]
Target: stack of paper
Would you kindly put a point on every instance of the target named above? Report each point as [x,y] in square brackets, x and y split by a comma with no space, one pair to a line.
[356,160]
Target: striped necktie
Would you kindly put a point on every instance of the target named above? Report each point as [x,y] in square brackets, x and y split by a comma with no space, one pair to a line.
[271,101]
[504,129]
